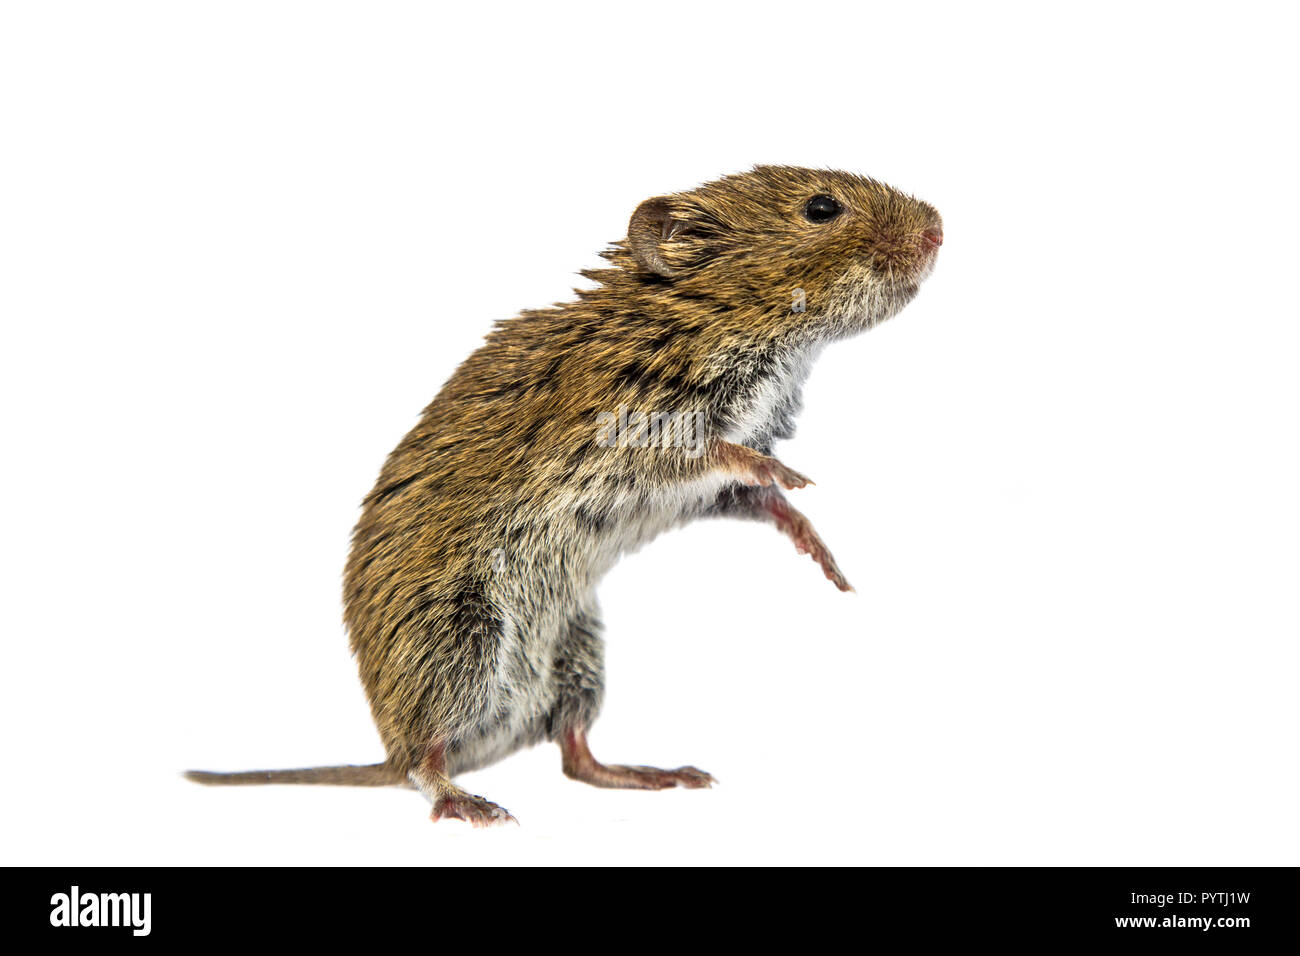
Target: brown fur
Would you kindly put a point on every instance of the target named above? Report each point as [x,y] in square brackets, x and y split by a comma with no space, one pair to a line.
[469,590]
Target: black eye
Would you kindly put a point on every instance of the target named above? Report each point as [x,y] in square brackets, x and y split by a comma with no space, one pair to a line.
[821,209]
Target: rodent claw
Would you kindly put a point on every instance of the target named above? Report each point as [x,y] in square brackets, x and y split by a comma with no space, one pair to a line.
[471,809]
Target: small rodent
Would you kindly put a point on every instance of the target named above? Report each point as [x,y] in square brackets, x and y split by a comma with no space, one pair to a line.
[578,433]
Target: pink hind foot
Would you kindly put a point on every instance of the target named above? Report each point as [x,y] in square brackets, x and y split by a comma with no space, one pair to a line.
[579,764]
[474,810]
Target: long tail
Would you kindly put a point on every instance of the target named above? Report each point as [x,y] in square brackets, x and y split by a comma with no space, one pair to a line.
[351,775]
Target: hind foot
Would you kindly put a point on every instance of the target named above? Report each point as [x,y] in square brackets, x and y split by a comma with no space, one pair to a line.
[449,801]
[474,810]
[579,764]
[617,777]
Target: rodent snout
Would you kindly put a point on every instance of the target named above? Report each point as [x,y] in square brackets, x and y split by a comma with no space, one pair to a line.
[933,235]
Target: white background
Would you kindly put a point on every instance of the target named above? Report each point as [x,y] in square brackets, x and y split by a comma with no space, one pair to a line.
[243,244]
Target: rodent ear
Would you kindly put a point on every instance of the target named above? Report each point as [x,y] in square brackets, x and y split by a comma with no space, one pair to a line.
[652,225]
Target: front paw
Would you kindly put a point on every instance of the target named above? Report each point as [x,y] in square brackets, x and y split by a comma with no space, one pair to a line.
[807,541]
[769,471]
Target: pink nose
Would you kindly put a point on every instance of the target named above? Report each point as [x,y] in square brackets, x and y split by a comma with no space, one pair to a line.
[934,236]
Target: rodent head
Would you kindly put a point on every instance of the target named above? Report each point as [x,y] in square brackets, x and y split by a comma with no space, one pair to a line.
[834,252]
